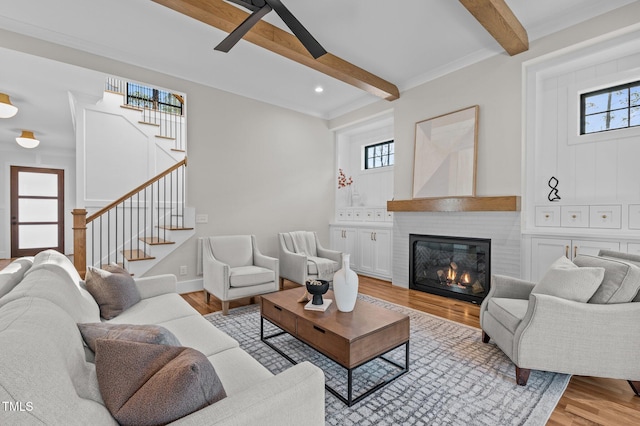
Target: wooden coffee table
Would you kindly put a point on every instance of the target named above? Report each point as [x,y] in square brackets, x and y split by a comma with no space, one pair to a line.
[351,339]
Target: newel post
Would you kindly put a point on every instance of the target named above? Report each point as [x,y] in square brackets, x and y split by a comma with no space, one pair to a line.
[80,240]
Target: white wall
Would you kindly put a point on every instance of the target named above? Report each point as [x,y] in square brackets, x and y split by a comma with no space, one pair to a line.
[252,167]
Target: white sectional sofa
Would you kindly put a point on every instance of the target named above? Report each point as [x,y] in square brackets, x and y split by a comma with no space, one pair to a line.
[47,376]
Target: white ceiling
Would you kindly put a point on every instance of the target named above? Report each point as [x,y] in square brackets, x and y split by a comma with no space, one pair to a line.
[406,42]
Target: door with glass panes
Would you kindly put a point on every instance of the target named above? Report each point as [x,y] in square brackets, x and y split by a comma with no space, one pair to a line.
[37,210]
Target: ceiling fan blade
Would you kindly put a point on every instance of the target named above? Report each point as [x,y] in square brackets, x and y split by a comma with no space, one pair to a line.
[305,37]
[235,36]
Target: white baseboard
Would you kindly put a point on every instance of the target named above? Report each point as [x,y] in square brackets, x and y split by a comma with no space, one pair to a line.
[189,286]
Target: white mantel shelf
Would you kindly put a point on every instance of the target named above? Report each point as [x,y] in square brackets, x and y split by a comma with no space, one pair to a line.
[508,203]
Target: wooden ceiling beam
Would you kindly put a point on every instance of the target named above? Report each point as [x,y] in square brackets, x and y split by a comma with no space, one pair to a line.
[226,17]
[498,19]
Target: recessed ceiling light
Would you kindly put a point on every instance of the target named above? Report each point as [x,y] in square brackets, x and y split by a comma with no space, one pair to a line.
[319,89]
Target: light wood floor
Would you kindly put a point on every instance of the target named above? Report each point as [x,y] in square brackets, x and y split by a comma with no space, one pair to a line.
[587,400]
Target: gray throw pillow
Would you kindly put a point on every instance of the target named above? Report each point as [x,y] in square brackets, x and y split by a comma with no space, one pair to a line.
[634,259]
[131,332]
[567,281]
[621,278]
[144,384]
[113,288]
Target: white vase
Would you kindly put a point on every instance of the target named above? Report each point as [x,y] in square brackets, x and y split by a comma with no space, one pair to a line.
[345,286]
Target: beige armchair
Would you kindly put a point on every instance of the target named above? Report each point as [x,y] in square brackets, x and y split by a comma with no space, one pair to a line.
[585,325]
[234,268]
[302,257]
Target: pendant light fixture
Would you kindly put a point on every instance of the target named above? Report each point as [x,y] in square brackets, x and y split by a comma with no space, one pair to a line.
[7,110]
[27,140]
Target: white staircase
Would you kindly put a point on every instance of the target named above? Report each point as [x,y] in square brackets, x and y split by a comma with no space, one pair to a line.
[156,248]
[144,226]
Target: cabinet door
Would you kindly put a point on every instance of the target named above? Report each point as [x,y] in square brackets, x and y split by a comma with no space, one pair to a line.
[545,251]
[592,247]
[336,241]
[345,240]
[366,250]
[382,252]
[351,246]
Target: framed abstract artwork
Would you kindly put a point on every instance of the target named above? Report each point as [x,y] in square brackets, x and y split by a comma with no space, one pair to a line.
[444,163]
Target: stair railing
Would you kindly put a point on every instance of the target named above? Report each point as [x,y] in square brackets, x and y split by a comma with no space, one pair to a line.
[169,125]
[168,117]
[121,230]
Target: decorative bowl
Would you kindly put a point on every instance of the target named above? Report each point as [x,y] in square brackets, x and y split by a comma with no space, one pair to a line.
[317,288]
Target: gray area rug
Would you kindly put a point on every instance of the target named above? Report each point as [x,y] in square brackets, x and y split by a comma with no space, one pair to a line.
[454,378]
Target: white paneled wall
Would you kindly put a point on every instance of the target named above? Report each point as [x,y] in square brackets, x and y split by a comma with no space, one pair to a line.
[375,187]
[599,168]
[598,174]
[503,228]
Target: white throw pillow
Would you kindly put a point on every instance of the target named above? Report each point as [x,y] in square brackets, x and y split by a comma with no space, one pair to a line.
[566,280]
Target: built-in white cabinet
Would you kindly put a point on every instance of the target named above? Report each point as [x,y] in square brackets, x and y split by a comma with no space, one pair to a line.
[345,240]
[605,217]
[574,216]
[593,216]
[369,245]
[364,214]
[547,216]
[374,246]
[545,251]
[634,216]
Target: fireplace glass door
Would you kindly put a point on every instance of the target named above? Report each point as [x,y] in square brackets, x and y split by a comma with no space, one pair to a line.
[450,266]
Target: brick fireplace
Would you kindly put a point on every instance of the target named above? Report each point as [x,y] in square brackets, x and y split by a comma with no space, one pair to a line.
[501,228]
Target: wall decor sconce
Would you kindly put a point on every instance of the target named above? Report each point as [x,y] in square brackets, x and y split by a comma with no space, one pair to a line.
[27,140]
[7,109]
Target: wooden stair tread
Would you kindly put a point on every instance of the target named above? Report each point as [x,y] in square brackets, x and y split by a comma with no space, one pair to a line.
[177,150]
[174,228]
[153,241]
[165,137]
[149,123]
[135,255]
[135,108]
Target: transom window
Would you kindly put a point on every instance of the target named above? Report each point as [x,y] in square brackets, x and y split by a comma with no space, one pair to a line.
[378,155]
[609,109]
[146,97]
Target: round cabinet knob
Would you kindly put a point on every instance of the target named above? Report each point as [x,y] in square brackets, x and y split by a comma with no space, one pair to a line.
[546,216]
[573,216]
[604,216]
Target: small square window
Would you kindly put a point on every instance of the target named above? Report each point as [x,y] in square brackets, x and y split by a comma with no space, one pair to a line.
[378,155]
[610,109]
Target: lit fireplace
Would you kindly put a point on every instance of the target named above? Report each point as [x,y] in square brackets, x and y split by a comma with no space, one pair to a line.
[450,266]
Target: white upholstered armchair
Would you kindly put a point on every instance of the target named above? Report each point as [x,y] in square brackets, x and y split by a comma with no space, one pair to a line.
[581,318]
[303,257]
[234,268]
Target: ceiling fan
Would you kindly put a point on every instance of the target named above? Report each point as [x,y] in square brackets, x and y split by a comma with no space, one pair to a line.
[261,8]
